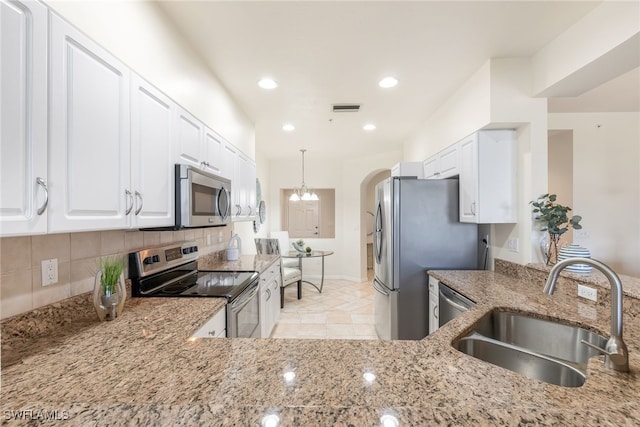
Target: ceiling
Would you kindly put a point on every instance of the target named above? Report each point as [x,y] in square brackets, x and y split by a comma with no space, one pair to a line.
[327,52]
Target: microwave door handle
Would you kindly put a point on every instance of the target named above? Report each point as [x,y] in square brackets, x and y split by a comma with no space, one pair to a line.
[227,205]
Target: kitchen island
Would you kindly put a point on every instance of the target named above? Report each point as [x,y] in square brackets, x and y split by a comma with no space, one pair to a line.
[143,369]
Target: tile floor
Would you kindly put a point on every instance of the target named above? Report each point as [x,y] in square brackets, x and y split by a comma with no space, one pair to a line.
[344,310]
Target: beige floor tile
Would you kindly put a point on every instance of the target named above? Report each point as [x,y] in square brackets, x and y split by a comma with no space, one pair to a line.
[344,310]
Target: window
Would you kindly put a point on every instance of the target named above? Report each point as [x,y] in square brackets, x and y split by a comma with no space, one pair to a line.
[309,219]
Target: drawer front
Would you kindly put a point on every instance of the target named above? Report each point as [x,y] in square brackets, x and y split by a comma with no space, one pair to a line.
[216,327]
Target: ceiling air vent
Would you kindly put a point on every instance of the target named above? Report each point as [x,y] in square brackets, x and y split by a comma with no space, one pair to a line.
[345,108]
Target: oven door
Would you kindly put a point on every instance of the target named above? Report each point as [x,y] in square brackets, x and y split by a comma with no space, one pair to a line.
[203,199]
[243,314]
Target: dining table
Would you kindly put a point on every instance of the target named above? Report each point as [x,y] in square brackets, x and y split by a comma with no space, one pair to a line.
[313,254]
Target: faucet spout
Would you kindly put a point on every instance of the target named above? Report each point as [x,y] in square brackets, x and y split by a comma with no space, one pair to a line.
[616,354]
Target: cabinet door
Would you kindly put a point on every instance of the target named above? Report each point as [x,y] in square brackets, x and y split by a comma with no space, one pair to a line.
[274,302]
[215,327]
[23,147]
[448,162]
[430,168]
[189,134]
[265,316]
[212,149]
[468,178]
[90,134]
[151,155]
[246,177]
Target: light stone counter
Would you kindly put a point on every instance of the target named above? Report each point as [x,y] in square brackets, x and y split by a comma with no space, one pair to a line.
[142,369]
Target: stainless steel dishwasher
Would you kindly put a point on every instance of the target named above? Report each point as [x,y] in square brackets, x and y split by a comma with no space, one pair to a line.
[451,304]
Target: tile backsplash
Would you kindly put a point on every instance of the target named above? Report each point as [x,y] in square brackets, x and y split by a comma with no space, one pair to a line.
[78,254]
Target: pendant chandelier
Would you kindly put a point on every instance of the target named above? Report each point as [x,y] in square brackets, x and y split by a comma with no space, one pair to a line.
[303,193]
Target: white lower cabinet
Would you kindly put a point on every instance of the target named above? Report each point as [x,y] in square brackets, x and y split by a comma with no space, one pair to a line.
[216,327]
[23,109]
[269,299]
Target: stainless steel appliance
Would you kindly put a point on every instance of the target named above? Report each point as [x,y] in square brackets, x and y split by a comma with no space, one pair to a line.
[416,228]
[202,199]
[172,271]
[451,304]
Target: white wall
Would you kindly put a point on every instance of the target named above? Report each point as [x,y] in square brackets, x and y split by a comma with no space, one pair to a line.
[345,176]
[498,95]
[139,34]
[606,177]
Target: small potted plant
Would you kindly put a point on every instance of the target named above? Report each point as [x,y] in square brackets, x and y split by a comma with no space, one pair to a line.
[109,291]
[555,221]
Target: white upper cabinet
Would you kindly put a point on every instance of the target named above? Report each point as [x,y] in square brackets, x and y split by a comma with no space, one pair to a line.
[90,134]
[189,134]
[152,171]
[241,170]
[23,147]
[197,144]
[408,169]
[442,165]
[245,186]
[488,177]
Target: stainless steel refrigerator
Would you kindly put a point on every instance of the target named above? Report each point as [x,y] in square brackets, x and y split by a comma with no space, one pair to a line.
[416,228]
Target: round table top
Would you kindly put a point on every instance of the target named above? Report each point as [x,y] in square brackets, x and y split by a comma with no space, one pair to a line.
[312,254]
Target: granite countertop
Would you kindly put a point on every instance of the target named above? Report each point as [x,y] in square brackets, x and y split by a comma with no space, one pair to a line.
[257,263]
[144,369]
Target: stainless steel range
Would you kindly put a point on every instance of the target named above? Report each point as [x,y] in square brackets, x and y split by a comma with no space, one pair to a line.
[172,271]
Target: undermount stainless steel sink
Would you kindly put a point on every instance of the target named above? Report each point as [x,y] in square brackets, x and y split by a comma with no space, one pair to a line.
[539,349]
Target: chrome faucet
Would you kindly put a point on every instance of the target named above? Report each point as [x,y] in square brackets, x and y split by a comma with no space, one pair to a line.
[616,354]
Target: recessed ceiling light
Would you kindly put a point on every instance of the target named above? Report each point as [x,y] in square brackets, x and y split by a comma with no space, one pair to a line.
[288,127]
[369,127]
[267,83]
[388,82]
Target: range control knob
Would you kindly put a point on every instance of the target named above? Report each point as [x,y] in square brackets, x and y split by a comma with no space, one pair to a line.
[156,258]
[186,251]
[148,260]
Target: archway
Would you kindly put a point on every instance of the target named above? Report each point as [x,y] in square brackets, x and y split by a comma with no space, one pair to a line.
[367,208]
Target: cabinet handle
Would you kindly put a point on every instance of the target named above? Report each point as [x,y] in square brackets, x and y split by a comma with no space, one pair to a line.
[238,210]
[130,197]
[139,197]
[250,210]
[212,333]
[437,173]
[473,208]
[42,184]
[268,294]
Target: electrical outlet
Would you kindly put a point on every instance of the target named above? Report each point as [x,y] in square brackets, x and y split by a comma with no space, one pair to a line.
[208,240]
[513,244]
[588,293]
[49,271]
[219,236]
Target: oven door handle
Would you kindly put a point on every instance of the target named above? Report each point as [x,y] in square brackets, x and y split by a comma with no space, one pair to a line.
[170,282]
[244,299]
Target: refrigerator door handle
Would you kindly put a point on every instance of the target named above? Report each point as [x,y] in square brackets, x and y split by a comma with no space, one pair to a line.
[377,234]
[379,287]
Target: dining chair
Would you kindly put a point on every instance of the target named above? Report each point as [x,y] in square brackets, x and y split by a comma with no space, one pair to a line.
[285,246]
[290,275]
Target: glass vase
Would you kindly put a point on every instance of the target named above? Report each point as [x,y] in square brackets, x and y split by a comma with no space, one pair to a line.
[108,305]
[549,247]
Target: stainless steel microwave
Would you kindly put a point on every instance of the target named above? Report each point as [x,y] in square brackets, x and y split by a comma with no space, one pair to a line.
[202,199]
